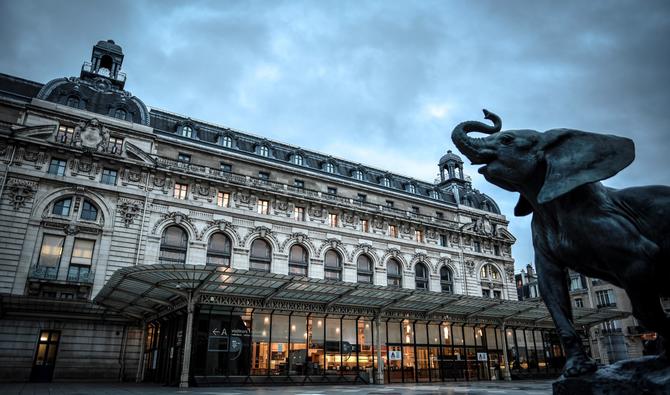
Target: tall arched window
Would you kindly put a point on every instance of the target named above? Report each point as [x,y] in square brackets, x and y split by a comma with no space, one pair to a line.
[227,141]
[421,276]
[446,280]
[261,255]
[88,211]
[186,131]
[393,274]
[364,266]
[218,250]
[298,260]
[174,244]
[491,281]
[332,265]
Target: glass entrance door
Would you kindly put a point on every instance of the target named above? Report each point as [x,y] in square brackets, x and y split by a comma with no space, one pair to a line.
[45,356]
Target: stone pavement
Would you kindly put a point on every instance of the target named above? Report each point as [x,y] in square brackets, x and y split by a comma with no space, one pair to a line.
[474,388]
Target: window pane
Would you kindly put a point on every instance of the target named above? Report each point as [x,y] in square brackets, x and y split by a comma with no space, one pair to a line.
[298,254]
[174,236]
[82,252]
[51,250]
[260,249]
[88,211]
[62,207]
[332,259]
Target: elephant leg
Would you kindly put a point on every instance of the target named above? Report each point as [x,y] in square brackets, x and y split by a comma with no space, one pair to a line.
[552,280]
[648,309]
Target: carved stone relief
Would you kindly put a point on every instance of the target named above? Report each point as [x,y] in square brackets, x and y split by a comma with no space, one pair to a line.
[20,191]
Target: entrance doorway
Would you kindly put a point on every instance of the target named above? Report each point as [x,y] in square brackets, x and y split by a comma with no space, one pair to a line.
[45,356]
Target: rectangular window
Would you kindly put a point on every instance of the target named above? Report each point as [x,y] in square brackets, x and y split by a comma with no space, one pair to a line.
[51,251]
[263,206]
[443,240]
[393,231]
[298,213]
[605,298]
[299,183]
[82,252]
[115,145]
[497,294]
[415,210]
[362,197]
[332,191]
[180,190]
[439,214]
[57,167]
[64,134]
[223,199]
[579,302]
[365,226]
[486,293]
[108,177]
[225,167]
[478,246]
[263,175]
[496,250]
[332,220]
[186,158]
[389,203]
[418,236]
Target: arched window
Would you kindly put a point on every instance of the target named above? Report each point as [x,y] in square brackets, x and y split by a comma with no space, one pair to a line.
[434,194]
[446,280]
[227,141]
[421,276]
[491,282]
[298,160]
[332,265]
[186,131]
[385,182]
[329,167]
[393,274]
[88,211]
[174,243]
[62,207]
[298,260]
[357,174]
[120,113]
[489,272]
[364,265]
[261,255]
[263,151]
[106,64]
[411,188]
[73,101]
[218,249]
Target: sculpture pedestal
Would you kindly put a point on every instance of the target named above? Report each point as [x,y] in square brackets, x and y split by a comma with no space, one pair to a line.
[646,375]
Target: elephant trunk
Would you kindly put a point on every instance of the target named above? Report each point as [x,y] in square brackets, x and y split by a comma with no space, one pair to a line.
[476,149]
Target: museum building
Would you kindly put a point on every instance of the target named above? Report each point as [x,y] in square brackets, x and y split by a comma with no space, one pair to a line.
[145,245]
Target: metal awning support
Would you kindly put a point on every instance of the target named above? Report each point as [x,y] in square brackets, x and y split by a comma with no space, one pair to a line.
[276,291]
[443,305]
[507,374]
[341,296]
[395,301]
[186,364]
[483,309]
[522,311]
[379,379]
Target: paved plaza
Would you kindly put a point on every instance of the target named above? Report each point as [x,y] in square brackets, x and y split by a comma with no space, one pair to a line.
[476,388]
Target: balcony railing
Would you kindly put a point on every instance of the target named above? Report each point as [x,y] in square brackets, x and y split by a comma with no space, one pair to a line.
[611,331]
[80,275]
[43,272]
[88,68]
[606,305]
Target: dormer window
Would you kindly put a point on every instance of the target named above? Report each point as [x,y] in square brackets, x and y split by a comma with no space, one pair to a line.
[411,188]
[186,131]
[264,151]
[120,113]
[385,182]
[227,141]
[73,101]
[298,160]
[329,167]
[357,174]
[434,194]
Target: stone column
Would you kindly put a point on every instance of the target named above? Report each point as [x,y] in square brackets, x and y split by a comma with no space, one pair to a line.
[379,377]
[186,362]
[506,374]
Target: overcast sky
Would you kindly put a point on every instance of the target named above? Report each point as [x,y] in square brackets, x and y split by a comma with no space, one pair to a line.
[381,83]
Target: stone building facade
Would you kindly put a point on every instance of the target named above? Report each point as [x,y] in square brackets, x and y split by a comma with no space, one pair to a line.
[94,181]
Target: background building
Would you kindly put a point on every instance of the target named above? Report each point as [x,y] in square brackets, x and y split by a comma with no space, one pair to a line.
[96,186]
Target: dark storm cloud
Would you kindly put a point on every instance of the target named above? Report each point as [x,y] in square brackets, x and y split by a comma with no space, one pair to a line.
[380,83]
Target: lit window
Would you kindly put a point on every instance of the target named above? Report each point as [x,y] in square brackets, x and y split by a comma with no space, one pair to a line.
[393,231]
[332,265]
[186,131]
[225,167]
[73,101]
[57,167]
[227,141]
[88,211]
[184,157]
[263,206]
[120,113]
[411,188]
[261,255]
[115,145]
[218,250]
[222,199]
[365,226]
[80,262]
[393,274]
[332,220]
[329,167]
[62,207]
[108,177]
[418,236]
[174,243]
[298,160]
[489,272]
[421,276]
[298,261]
[64,134]
[385,182]
[180,191]
[364,272]
[263,151]
[357,174]
[298,213]
[50,254]
[446,280]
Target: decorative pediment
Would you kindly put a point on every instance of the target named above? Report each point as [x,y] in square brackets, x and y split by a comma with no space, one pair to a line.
[505,234]
[134,151]
[41,132]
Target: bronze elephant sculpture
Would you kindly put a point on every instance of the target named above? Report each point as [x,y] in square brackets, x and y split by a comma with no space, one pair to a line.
[620,236]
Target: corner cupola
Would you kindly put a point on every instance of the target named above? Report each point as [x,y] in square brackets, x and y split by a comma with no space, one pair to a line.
[451,167]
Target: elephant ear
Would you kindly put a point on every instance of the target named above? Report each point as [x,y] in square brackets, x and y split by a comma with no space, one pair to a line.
[522,207]
[575,158]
